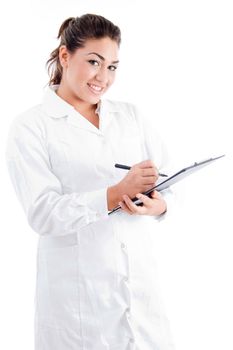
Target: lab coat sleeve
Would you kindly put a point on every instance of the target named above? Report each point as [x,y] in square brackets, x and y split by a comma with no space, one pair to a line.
[156,150]
[48,210]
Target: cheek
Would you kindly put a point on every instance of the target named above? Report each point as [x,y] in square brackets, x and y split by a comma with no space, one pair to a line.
[111,79]
[79,73]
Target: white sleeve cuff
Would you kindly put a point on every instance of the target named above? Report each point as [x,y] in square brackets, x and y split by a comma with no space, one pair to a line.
[96,204]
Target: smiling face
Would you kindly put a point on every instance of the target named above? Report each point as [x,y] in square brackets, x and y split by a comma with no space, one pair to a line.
[89,71]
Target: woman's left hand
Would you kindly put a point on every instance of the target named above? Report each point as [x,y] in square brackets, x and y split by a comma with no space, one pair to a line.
[151,206]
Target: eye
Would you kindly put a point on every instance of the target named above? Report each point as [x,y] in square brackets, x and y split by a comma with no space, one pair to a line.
[93,62]
[112,68]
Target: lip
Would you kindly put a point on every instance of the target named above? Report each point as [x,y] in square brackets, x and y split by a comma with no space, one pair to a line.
[95,91]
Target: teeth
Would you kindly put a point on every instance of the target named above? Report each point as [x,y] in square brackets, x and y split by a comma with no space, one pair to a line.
[97,88]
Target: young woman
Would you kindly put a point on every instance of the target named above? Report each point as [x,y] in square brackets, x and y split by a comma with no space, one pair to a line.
[96,283]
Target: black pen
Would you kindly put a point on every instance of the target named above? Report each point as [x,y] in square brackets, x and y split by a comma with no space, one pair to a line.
[128,167]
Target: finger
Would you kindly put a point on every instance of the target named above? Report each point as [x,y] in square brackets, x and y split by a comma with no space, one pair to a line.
[156,194]
[149,171]
[132,207]
[125,208]
[149,180]
[147,164]
[144,199]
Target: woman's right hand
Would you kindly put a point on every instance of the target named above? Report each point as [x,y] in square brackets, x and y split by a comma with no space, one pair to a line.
[140,178]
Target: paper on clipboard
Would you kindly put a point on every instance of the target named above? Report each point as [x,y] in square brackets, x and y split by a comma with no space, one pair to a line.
[173,179]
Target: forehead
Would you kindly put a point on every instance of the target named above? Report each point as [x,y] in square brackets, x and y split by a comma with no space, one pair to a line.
[106,47]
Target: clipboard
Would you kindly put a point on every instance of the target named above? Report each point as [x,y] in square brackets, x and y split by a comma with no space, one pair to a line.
[180,175]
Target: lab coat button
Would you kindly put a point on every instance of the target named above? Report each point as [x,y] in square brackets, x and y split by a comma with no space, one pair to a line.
[122,245]
[127,310]
[132,340]
[126,279]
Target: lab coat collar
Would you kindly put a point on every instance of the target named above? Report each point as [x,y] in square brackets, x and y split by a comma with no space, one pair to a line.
[54,106]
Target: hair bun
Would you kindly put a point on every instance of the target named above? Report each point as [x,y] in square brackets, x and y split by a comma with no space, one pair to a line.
[64,25]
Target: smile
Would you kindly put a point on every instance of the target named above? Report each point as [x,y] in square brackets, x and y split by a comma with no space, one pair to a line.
[95,88]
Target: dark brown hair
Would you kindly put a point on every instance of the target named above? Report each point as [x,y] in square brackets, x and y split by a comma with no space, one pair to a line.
[73,33]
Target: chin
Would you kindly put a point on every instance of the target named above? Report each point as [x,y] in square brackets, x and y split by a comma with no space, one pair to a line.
[88,99]
[94,100]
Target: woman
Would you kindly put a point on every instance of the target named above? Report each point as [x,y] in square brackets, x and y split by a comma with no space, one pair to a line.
[96,283]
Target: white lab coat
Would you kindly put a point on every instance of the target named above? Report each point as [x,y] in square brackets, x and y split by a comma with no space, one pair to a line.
[96,273]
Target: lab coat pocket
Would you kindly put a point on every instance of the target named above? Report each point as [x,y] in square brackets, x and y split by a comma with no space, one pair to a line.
[57,295]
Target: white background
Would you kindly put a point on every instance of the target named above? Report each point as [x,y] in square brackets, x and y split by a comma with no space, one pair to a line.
[176,63]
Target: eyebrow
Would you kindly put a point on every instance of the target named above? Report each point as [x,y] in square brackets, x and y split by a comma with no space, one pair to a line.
[101,57]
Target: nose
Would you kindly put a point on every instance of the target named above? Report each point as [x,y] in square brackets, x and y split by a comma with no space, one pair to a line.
[102,76]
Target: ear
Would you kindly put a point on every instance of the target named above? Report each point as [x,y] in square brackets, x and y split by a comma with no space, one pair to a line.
[63,56]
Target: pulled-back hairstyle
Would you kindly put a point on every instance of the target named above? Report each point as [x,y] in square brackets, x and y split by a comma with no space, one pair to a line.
[73,33]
